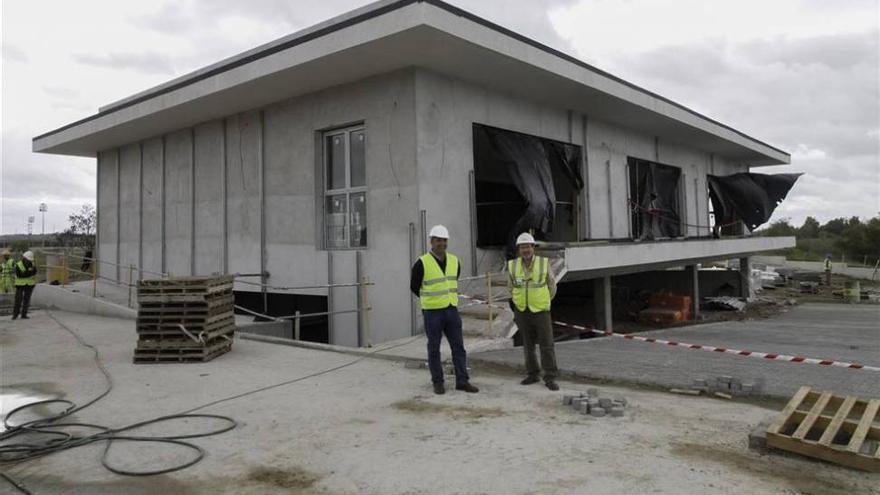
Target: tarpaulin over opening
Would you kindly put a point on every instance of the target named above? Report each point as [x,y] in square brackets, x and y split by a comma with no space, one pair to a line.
[748,197]
[519,179]
[654,190]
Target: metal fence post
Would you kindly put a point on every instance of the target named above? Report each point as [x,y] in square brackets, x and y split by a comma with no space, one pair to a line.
[130,274]
[366,311]
[94,277]
[489,298]
[296,326]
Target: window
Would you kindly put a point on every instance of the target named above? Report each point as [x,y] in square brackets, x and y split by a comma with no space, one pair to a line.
[345,191]
[655,200]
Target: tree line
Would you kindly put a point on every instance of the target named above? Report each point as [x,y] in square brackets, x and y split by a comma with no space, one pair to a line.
[849,239]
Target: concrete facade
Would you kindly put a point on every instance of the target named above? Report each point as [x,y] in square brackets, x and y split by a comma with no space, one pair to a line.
[243,191]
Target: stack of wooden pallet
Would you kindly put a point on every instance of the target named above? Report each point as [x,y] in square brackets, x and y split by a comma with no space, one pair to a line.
[184,319]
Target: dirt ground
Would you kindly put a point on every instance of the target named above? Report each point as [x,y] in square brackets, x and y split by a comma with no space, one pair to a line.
[375,427]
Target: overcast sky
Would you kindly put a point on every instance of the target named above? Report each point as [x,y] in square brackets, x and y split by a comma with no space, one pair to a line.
[802,75]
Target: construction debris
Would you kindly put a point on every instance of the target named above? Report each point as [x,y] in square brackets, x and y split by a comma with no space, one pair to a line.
[184,319]
[725,303]
[727,386]
[838,429]
[685,391]
[592,404]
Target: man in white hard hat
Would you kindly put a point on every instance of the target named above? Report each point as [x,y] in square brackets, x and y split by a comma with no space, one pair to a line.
[532,287]
[434,281]
[25,280]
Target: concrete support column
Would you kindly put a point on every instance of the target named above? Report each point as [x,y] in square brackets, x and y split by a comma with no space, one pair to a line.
[745,277]
[602,302]
[693,277]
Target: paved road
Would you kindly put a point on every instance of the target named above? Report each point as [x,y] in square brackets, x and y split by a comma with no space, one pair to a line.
[828,331]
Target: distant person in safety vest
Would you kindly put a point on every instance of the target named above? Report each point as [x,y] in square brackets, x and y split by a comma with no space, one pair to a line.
[434,281]
[532,287]
[7,272]
[828,269]
[25,280]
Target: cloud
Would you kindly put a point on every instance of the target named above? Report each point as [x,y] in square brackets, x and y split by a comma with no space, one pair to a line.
[797,75]
[148,63]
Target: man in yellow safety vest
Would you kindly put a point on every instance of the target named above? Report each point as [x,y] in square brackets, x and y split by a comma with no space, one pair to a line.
[434,281]
[25,280]
[532,287]
[7,272]
[828,270]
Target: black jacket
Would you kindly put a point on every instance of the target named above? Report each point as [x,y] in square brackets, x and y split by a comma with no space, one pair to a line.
[29,269]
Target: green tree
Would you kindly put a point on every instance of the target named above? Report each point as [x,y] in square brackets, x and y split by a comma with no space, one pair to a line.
[834,227]
[780,228]
[809,230]
[83,222]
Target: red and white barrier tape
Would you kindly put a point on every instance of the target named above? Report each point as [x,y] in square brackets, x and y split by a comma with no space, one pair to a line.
[736,352]
[477,301]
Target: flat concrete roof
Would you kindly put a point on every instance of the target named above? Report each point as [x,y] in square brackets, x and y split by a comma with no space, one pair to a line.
[390,35]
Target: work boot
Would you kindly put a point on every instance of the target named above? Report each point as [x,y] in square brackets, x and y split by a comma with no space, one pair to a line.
[466,387]
[551,385]
[439,389]
[529,380]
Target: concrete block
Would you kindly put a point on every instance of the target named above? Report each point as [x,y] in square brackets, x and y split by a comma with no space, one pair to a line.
[597,412]
[566,400]
[758,436]
[736,387]
[616,412]
[593,392]
[685,391]
[747,388]
[620,399]
[605,403]
[724,379]
[701,383]
[576,403]
[585,408]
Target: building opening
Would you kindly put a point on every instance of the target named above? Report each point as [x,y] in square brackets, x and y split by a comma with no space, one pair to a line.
[655,200]
[524,183]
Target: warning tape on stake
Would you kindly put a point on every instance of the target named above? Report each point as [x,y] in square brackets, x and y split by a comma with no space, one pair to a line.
[724,350]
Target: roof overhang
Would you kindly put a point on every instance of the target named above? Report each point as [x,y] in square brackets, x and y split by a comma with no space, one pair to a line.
[387,36]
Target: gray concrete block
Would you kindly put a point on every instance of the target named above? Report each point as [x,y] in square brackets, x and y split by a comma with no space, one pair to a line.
[576,403]
[758,435]
[592,392]
[616,412]
[566,400]
[701,383]
[747,388]
[620,399]
[415,365]
[605,403]
[597,412]
[724,379]
[585,408]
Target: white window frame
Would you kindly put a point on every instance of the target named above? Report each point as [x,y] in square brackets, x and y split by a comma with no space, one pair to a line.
[346,190]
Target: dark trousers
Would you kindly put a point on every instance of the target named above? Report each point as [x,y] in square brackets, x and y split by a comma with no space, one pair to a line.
[22,300]
[439,322]
[537,328]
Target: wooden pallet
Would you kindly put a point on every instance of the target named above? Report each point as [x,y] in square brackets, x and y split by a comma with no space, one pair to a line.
[171,325]
[181,355]
[186,300]
[184,341]
[185,313]
[844,430]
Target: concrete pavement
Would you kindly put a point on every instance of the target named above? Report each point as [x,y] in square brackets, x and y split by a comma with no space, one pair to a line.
[826,331]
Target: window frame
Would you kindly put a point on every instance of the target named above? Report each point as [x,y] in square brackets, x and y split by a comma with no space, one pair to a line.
[347,190]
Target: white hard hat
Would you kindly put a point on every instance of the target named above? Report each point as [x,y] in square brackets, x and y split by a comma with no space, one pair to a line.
[525,238]
[439,231]
[28,255]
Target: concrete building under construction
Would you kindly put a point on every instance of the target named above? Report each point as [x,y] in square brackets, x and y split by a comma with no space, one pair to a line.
[325,156]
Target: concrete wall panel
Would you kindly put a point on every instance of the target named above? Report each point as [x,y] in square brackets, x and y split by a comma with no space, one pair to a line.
[243,153]
[208,200]
[129,209]
[178,202]
[151,198]
[107,213]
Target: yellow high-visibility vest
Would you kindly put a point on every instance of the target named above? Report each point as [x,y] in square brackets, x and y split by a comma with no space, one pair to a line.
[21,281]
[530,293]
[439,290]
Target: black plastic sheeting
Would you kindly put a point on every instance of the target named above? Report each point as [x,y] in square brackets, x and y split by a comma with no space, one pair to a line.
[654,189]
[748,197]
[518,178]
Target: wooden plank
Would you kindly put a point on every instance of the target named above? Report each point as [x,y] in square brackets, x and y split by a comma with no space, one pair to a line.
[837,421]
[792,405]
[830,454]
[867,420]
[808,422]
